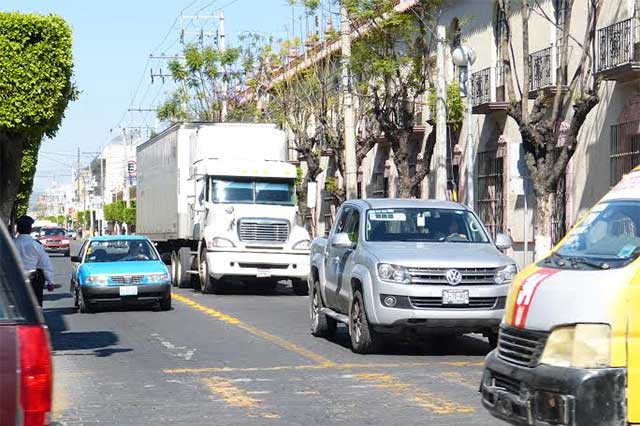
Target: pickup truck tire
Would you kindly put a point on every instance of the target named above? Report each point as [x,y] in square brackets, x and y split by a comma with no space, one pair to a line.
[208,284]
[300,287]
[183,279]
[364,339]
[321,324]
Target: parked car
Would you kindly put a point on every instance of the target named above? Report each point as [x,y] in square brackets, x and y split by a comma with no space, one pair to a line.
[125,268]
[26,370]
[392,265]
[55,240]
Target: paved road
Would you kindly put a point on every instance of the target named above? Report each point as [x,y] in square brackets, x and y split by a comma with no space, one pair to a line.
[247,358]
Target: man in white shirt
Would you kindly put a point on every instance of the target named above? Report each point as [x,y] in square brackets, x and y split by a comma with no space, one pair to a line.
[34,259]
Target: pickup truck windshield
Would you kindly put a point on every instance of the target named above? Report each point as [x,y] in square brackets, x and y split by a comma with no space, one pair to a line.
[427,225]
[610,233]
[253,191]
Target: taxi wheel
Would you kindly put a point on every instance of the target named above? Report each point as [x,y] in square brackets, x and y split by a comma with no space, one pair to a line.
[165,303]
[321,324]
[85,308]
[76,301]
[364,339]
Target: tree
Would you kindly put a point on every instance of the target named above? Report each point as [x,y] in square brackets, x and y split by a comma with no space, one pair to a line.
[555,118]
[36,86]
[394,55]
[205,79]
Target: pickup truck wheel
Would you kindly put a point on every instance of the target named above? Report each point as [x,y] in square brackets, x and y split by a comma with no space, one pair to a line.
[300,287]
[174,269]
[364,340]
[321,324]
[208,285]
[183,279]
[493,339]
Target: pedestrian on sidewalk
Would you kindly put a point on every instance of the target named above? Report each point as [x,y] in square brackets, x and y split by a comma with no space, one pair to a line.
[34,259]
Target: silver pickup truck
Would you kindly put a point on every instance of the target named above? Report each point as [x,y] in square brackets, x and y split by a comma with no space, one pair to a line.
[392,265]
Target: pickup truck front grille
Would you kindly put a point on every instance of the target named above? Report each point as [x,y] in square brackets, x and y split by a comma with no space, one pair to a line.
[263,231]
[521,347]
[474,303]
[437,276]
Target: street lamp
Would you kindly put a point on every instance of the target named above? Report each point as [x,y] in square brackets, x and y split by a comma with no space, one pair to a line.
[464,56]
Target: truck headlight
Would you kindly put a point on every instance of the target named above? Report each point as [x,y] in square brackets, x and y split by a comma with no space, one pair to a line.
[302,245]
[158,278]
[579,346]
[97,280]
[393,273]
[218,242]
[505,275]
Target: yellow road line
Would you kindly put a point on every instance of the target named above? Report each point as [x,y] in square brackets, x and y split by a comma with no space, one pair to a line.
[236,397]
[333,366]
[427,400]
[461,379]
[228,319]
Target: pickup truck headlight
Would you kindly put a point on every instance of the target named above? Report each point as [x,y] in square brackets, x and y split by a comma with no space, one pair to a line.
[393,273]
[579,346]
[218,242]
[158,278]
[302,245]
[505,275]
[97,280]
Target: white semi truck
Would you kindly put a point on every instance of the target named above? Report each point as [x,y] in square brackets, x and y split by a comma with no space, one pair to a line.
[219,201]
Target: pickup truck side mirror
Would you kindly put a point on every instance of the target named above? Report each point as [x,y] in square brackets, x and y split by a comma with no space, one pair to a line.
[503,242]
[342,240]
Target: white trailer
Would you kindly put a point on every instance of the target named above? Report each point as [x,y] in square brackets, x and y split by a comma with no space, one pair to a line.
[219,201]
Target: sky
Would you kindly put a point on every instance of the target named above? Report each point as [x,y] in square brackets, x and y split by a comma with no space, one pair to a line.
[112,43]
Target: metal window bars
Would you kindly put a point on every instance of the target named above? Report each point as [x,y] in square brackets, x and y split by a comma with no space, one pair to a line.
[491,201]
[540,67]
[624,152]
[615,44]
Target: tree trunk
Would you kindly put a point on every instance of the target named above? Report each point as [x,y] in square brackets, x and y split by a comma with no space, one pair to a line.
[401,160]
[542,227]
[11,147]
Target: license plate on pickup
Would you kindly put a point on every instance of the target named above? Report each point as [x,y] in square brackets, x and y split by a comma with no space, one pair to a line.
[129,290]
[263,273]
[455,297]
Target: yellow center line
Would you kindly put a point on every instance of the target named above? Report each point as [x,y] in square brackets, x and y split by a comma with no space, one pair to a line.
[228,319]
[332,366]
[460,379]
[236,397]
[422,398]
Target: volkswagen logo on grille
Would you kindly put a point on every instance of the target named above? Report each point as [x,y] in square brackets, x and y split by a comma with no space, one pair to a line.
[454,277]
[128,279]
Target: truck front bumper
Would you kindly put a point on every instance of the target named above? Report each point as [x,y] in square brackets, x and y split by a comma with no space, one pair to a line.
[547,395]
[258,264]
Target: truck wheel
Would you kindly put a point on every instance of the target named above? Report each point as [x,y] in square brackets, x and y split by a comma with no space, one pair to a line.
[300,287]
[184,264]
[174,269]
[364,339]
[208,284]
[321,324]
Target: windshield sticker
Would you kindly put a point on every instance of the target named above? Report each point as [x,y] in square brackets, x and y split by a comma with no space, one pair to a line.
[526,294]
[388,216]
[627,251]
[420,221]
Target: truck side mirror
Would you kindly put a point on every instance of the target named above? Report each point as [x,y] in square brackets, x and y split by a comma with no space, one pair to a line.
[342,240]
[503,242]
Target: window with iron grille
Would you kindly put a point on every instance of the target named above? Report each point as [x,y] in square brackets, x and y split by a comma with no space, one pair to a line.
[490,198]
[500,32]
[380,186]
[624,153]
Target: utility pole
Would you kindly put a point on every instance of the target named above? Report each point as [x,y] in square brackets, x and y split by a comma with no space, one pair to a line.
[351,172]
[440,189]
[78,177]
[225,87]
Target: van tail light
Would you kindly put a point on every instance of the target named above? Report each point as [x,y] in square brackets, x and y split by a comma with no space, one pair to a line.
[36,374]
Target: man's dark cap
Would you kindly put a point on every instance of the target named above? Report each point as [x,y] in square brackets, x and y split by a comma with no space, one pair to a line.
[25,221]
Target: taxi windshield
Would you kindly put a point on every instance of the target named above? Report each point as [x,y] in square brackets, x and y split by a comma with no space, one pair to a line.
[610,233]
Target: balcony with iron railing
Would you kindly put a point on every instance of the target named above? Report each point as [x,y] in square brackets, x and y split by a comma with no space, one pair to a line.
[617,51]
[543,72]
[487,91]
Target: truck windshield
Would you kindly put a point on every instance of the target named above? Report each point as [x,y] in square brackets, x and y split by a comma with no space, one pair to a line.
[610,233]
[253,191]
[426,225]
